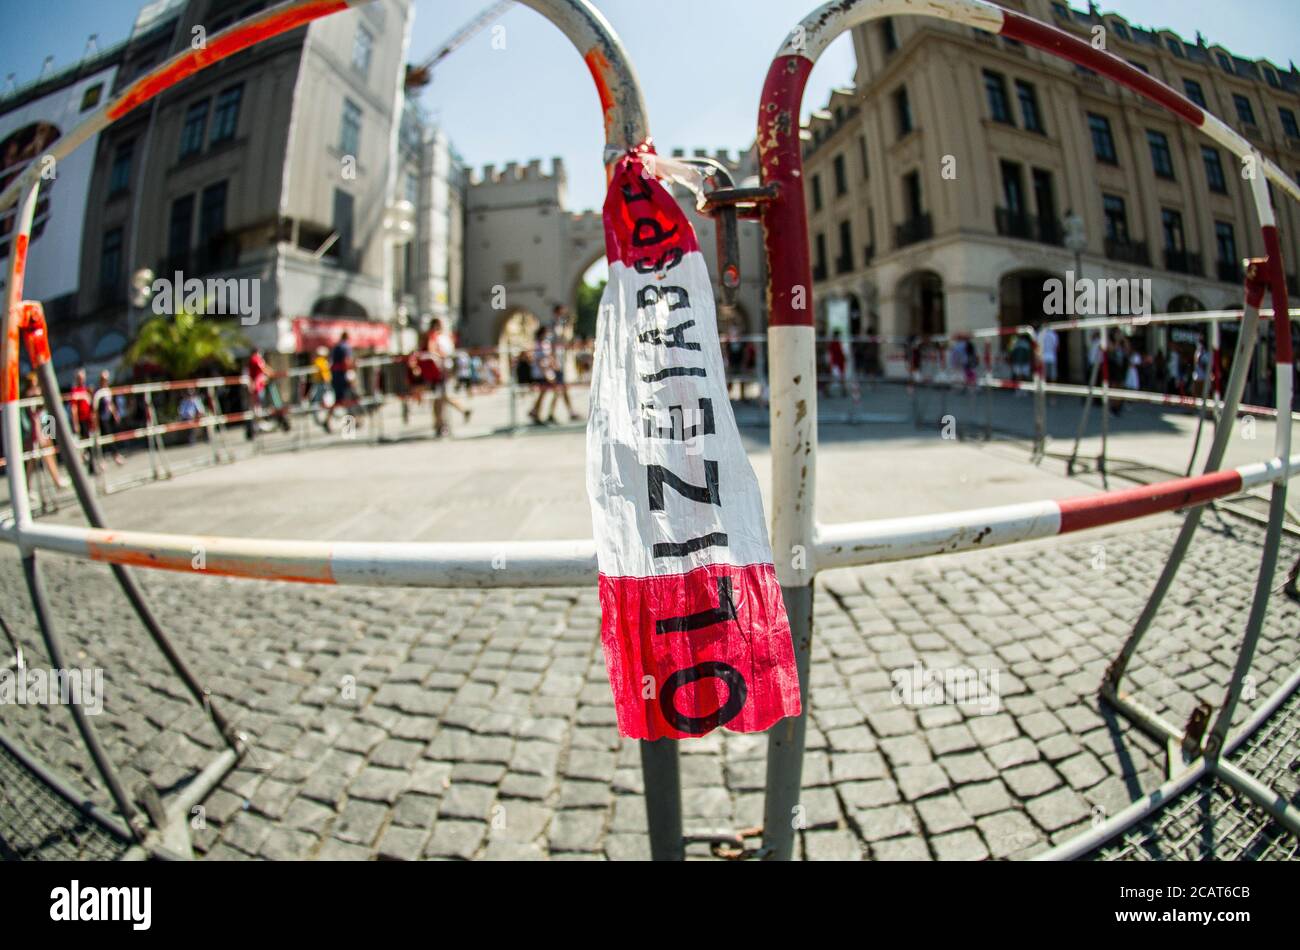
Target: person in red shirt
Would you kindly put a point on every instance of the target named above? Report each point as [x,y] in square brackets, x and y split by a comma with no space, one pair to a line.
[81,413]
[835,356]
[259,378]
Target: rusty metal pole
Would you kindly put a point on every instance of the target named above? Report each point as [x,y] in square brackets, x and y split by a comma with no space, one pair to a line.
[793,415]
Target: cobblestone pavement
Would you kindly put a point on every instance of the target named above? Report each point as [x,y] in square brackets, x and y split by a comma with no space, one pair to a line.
[478,724]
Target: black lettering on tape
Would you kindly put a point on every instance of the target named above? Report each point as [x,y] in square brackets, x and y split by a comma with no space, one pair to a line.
[678,430]
[725,611]
[677,298]
[717,539]
[658,476]
[672,337]
[648,232]
[737,690]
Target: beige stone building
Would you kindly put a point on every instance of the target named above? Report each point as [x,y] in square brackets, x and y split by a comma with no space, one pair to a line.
[525,252]
[278,165]
[938,186]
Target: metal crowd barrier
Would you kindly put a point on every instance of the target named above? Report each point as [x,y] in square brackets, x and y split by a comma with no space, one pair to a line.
[801,546]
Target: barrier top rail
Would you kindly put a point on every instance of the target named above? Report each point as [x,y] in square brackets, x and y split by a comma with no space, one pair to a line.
[785,225]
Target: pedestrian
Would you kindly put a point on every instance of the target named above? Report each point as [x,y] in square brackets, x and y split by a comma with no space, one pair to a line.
[560,336]
[109,414]
[543,372]
[191,411]
[265,394]
[1049,344]
[1022,359]
[342,373]
[34,435]
[81,412]
[444,349]
[838,363]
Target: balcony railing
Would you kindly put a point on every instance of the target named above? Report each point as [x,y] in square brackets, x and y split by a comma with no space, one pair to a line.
[1184,262]
[1128,252]
[819,271]
[1229,272]
[843,264]
[914,230]
[868,254]
[1028,227]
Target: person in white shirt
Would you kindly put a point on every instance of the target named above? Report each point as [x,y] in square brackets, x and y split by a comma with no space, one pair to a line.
[1049,344]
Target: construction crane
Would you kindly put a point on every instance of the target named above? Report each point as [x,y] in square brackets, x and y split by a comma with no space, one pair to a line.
[418,76]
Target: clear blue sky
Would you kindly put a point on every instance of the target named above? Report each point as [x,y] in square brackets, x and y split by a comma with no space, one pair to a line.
[701,64]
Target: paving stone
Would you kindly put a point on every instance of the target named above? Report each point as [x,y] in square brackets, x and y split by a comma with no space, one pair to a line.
[360,822]
[1059,809]
[943,813]
[832,846]
[455,839]
[917,781]
[1029,781]
[964,845]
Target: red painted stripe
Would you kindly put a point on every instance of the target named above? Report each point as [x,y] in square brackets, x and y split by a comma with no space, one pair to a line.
[785,219]
[224,44]
[1019,27]
[1091,511]
[1277,285]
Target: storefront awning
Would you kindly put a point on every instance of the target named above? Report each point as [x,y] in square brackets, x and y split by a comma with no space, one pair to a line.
[312,332]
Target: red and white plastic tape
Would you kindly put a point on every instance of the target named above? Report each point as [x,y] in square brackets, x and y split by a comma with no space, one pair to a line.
[692,620]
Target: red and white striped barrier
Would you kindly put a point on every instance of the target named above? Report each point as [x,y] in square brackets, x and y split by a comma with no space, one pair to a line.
[573,563]
[900,539]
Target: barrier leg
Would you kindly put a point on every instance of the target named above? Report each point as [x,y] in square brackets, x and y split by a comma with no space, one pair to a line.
[663,799]
[1083,418]
[1040,403]
[95,516]
[1200,425]
[44,619]
[785,740]
[1236,386]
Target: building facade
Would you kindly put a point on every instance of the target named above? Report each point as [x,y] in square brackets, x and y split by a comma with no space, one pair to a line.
[286,164]
[938,186]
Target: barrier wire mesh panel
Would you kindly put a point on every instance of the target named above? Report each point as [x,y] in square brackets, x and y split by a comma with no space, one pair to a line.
[1212,821]
[38,824]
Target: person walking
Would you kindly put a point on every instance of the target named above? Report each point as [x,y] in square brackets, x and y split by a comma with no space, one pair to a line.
[81,414]
[1049,344]
[265,395]
[543,372]
[561,337]
[443,350]
[35,438]
[342,372]
[109,415]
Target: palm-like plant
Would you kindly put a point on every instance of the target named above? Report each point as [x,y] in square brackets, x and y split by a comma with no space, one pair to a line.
[186,343]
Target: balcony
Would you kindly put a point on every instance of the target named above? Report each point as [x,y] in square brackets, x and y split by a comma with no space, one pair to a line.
[1229,272]
[1184,262]
[1128,252]
[868,255]
[819,271]
[913,231]
[843,265]
[1028,227]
